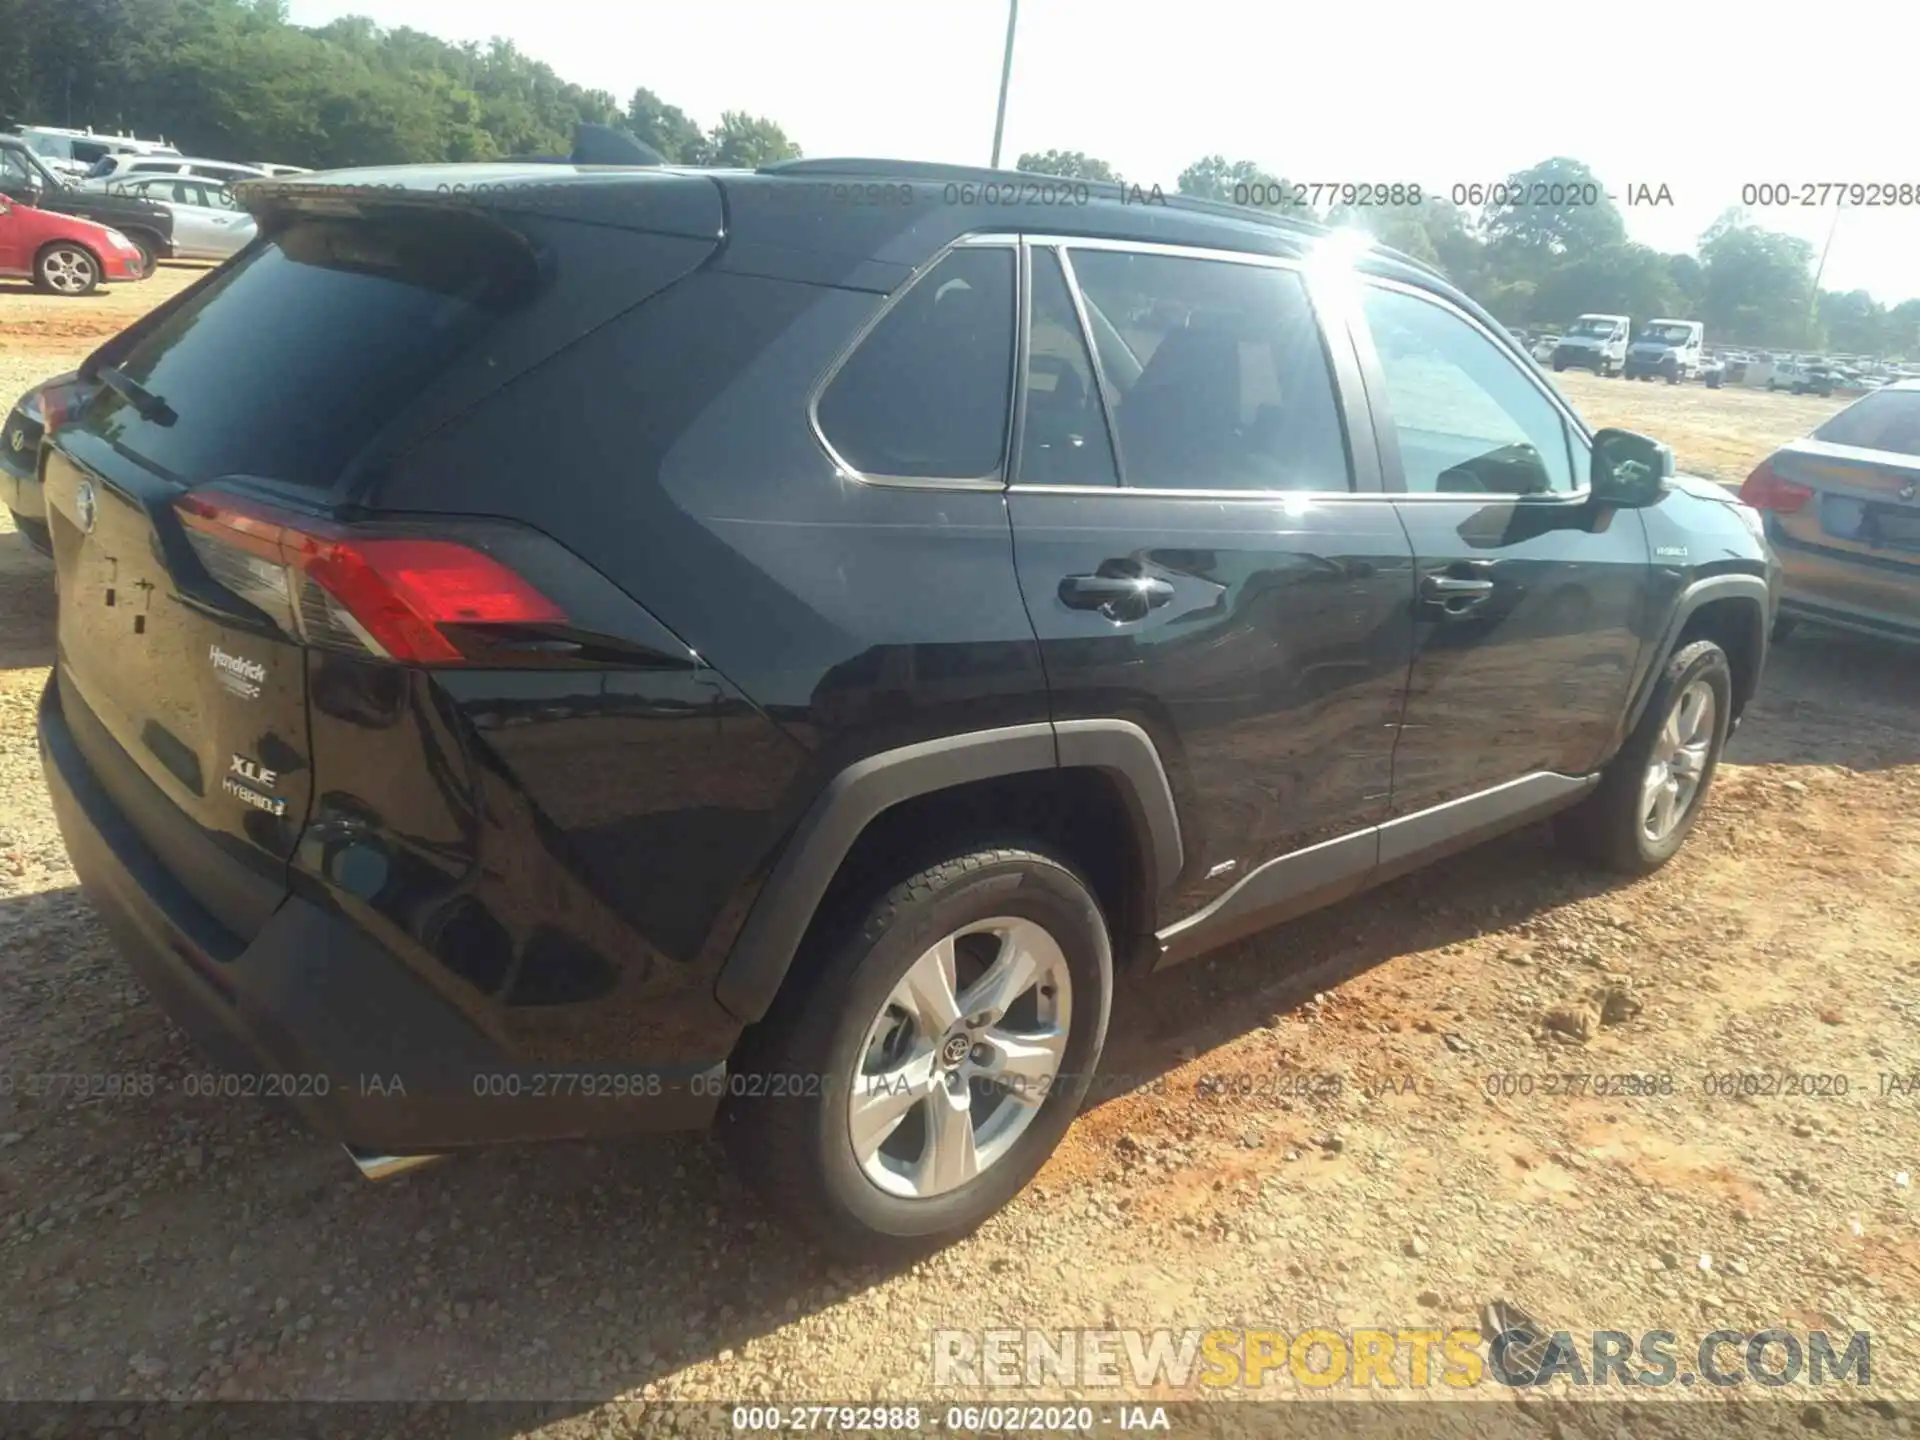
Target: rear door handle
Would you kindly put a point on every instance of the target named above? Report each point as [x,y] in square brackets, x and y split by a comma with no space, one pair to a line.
[1453,595]
[1118,597]
[1448,587]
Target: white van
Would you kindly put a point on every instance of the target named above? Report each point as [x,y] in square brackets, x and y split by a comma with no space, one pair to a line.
[1594,342]
[1670,349]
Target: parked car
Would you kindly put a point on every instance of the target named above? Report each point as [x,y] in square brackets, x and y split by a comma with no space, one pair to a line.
[64,254]
[40,409]
[269,169]
[1802,377]
[1842,512]
[23,178]
[857,759]
[1670,349]
[208,223]
[113,169]
[1594,342]
[72,153]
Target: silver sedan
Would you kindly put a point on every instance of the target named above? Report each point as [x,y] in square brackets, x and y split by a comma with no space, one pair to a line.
[208,223]
[1842,511]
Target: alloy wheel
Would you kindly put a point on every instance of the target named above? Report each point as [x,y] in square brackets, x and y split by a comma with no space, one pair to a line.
[961,1057]
[1678,762]
[68,271]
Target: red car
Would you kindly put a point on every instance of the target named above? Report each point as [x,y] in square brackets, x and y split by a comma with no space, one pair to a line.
[63,254]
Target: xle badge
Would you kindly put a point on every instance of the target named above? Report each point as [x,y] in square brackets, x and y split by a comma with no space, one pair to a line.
[242,775]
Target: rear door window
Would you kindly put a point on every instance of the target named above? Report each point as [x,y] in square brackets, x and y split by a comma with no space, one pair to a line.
[926,394]
[1218,371]
[288,364]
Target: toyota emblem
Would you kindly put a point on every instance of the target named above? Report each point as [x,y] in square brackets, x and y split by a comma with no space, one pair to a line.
[86,508]
[1908,491]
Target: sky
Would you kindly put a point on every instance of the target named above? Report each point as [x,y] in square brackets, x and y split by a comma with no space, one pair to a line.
[1701,100]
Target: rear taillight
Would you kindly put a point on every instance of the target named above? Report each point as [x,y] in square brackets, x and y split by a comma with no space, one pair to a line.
[390,596]
[1767,489]
[57,404]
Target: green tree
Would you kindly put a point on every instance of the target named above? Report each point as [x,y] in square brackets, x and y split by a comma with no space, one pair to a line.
[1758,284]
[666,128]
[1067,164]
[747,141]
[1529,239]
[1622,279]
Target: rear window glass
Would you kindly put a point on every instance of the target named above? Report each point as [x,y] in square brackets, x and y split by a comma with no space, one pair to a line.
[287,365]
[1884,420]
[926,394]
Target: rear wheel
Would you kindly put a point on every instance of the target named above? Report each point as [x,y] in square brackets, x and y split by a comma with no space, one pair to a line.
[939,1052]
[1651,793]
[64,268]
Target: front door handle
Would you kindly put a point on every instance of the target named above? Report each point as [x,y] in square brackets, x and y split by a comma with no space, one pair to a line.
[1118,597]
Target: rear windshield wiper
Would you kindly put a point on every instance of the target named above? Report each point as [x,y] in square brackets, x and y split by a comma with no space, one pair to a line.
[149,405]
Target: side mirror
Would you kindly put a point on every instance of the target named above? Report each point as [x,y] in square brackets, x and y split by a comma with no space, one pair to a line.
[1629,471]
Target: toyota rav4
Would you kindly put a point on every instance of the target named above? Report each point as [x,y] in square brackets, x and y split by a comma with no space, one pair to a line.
[602,650]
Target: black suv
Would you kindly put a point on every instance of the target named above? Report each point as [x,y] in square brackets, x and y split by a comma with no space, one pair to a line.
[556,652]
[23,177]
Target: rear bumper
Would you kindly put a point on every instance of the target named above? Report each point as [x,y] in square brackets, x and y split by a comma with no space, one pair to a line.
[315,1013]
[1868,594]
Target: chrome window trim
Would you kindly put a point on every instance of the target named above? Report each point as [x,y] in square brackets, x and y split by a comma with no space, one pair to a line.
[1100,382]
[1582,486]
[846,468]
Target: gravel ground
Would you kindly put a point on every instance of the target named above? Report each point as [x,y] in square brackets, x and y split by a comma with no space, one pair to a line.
[156,1246]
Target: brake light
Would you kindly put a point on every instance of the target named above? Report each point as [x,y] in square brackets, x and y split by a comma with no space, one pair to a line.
[57,404]
[1767,489]
[390,596]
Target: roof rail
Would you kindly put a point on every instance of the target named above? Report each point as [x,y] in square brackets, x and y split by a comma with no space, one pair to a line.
[980,174]
[1111,190]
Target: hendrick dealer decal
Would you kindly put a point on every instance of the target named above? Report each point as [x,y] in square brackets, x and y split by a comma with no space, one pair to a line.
[237,674]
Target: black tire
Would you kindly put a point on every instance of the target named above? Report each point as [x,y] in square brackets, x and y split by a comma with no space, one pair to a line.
[1783,626]
[148,249]
[1558,366]
[63,265]
[797,1152]
[1605,826]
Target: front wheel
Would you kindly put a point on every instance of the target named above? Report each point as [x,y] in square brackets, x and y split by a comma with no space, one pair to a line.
[1558,366]
[64,268]
[1651,793]
[947,1038]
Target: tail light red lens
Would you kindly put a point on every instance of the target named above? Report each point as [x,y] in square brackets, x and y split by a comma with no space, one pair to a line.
[1767,489]
[388,596]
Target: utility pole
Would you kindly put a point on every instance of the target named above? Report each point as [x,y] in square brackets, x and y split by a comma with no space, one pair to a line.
[1006,75]
[1813,301]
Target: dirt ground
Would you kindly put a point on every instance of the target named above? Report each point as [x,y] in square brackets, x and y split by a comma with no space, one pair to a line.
[1720,434]
[165,1246]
